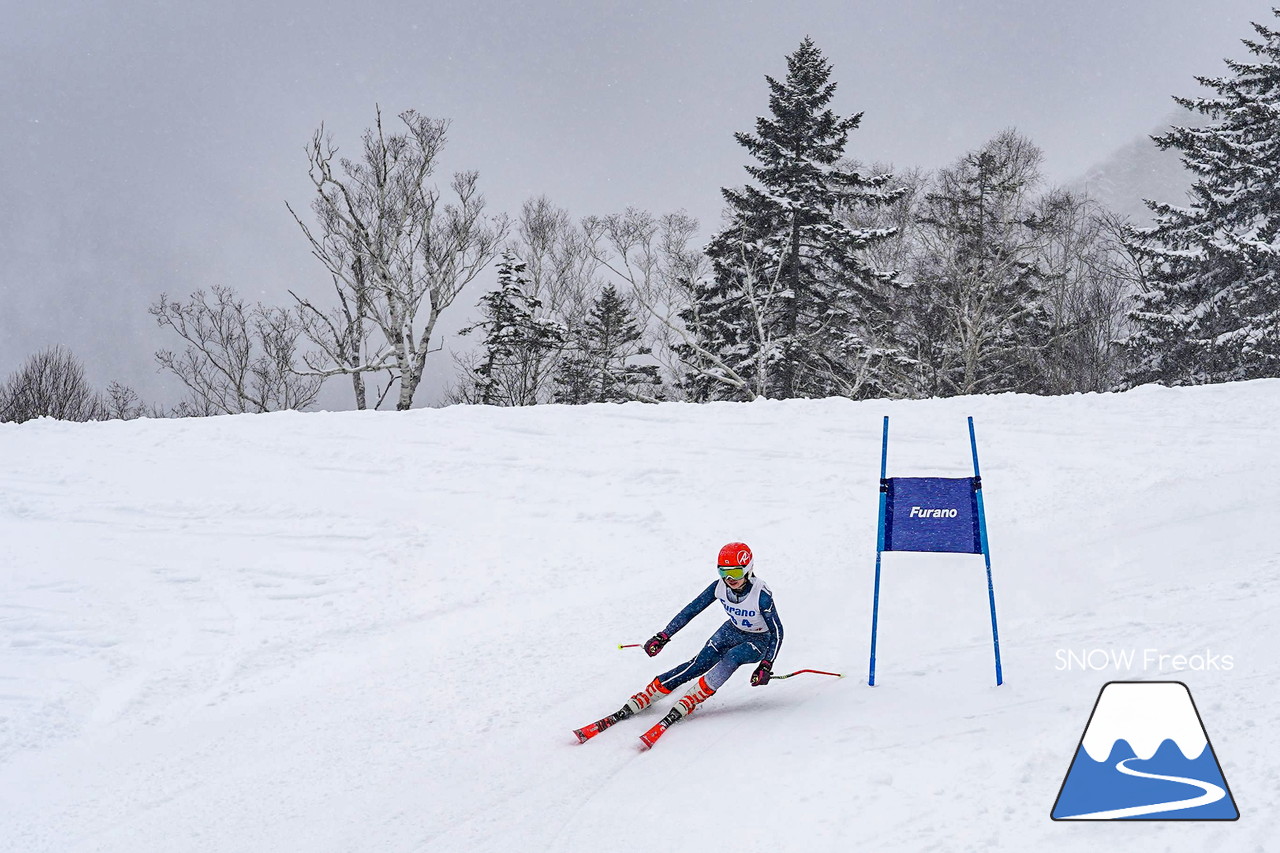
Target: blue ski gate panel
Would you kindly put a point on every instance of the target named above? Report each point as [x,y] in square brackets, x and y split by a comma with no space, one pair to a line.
[937,514]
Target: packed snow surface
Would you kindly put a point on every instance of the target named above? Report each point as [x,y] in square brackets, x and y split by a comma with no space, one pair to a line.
[376,631]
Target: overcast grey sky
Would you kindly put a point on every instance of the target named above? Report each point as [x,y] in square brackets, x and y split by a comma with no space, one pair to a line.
[150,145]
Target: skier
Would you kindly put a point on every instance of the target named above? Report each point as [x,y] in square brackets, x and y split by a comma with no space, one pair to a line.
[753,634]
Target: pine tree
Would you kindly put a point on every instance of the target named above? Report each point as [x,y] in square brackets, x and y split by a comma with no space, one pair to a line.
[1211,311]
[720,339]
[601,369]
[513,336]
[794,306]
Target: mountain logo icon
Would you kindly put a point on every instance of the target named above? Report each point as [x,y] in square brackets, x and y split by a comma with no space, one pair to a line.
[1145,755]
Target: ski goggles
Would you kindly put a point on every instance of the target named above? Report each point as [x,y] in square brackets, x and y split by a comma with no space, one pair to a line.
[737,572]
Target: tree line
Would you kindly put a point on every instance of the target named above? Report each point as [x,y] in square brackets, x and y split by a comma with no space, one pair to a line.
[827,276]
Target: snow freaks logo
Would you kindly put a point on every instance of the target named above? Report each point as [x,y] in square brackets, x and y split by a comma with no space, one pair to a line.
[1145,660]
[1145,755]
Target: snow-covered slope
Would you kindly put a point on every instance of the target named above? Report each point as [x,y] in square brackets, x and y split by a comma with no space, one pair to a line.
[376,631]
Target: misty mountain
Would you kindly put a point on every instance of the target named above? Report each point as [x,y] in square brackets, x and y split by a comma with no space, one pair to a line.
[1140,170]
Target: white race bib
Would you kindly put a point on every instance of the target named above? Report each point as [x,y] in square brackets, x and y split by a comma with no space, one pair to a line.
[745,613]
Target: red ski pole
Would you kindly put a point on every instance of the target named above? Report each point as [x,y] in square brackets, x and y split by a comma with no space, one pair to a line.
[799,671]
[631,646]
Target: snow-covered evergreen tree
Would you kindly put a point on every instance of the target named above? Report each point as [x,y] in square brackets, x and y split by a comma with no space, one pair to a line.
[794,306]
[1211,311]
[897,374]
[723,335]
[600,369]
[513,336]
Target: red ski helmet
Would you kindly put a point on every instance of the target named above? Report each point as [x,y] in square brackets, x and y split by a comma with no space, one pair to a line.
[734,560]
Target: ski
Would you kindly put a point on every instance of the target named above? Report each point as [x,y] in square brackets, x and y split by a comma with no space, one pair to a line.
[650,737]
[592,729]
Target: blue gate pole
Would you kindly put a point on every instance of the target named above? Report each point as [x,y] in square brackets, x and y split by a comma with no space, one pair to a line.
[986,551]
[875,606]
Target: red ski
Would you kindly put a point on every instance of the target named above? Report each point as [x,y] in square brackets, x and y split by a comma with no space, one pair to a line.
[650,737]
[592,729]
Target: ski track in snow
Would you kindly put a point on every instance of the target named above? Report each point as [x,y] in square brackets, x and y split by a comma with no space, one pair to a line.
[377,631]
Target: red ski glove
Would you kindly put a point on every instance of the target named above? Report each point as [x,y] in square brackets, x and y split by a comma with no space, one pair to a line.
[655,643]
[762,674]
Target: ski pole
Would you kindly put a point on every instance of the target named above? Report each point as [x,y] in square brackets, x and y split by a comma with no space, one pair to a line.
[631,646]
[799,671]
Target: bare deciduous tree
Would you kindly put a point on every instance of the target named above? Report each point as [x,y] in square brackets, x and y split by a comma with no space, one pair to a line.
[1088,277]
[561,272]
[398,254]
[558,259]
[979,322]
[122,403]
[655,259]
[238,357]
[50,384]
